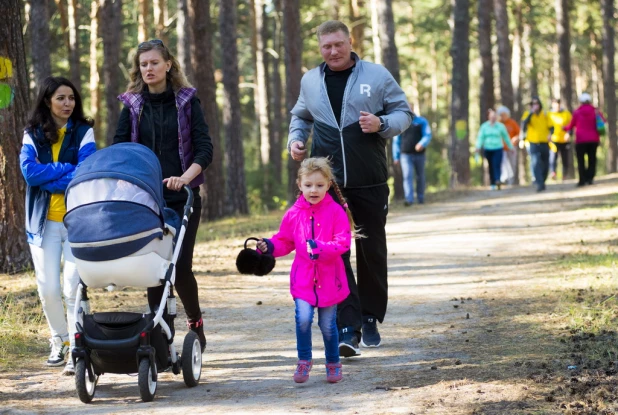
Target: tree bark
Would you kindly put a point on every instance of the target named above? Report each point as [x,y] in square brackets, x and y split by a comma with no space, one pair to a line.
[518,52]
[563,30]
[232,120]
[460,55]
[111,20]
[183,33]
[143,18]
[261,80]
[293,46]
[39,36]
[201,57]
[14,251]
[530,32]
[487,99]
[357,19]
[276,97]
[74,52]
[64,21]
[159,20]
[504,54]
[609,81]
[390,59]
[95,96]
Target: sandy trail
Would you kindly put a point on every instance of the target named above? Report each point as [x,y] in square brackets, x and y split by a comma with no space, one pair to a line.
[478,247]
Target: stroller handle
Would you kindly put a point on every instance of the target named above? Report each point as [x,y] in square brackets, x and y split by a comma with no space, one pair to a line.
[189,196]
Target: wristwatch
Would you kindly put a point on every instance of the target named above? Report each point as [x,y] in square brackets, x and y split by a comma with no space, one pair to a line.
[383,125]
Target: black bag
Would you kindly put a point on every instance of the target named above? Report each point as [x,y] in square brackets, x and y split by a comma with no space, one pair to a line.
[250,261]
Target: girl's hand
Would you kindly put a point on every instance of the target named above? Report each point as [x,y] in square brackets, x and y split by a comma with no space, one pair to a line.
[176,183]
[262,246]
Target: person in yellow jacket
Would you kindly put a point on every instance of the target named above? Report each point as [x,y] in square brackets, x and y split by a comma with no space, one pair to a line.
[560,140]
[536,125]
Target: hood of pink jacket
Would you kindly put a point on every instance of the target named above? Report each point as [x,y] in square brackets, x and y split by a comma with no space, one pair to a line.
[321,282]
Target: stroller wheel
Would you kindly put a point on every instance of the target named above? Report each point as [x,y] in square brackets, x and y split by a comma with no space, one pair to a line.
[191,359]
[85,387]
[146,380]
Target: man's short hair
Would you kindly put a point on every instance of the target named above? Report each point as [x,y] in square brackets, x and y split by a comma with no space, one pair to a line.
[332,26]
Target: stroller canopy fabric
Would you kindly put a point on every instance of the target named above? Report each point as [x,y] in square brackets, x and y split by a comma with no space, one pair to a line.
[115,203]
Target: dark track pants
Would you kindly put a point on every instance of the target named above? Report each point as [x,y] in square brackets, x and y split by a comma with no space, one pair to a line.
[186,285]
[586,173]
[369,207]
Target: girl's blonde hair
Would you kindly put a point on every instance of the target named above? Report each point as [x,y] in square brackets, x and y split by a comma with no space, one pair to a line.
[175,76]
[322,165]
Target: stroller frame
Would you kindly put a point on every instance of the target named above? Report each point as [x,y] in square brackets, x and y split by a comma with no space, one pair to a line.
[189,362]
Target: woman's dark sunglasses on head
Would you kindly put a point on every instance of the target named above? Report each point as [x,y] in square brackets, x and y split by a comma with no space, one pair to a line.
[152,42]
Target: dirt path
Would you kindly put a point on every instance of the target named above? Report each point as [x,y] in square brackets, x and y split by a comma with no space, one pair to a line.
[465,325]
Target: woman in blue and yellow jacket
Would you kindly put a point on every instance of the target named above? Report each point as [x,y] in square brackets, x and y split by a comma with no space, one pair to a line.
[56,139]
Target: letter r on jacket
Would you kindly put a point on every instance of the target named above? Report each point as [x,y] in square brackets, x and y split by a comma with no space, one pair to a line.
[365,88]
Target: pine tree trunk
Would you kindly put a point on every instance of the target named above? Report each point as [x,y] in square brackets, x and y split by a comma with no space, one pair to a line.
[293,46]
[232,121]
[529,35]
[74,52]
[261,80]
[357,20]
[111,21]
[518,52]
[276,100]
[564,46]
[39,36]
[201,57]
[64,21]
[505,67]
[14,251]
[390,59]
[460,54]
[183,33]
[609,81]
[487,99]
[160,7]
[95,96]
[143,19]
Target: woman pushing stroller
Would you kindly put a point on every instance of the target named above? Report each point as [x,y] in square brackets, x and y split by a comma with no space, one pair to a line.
[163,113]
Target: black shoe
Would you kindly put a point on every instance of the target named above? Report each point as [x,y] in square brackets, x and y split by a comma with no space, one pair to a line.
[371,336]
[198,328]
[348,343]
[406,204]
[591,182]
[580,184]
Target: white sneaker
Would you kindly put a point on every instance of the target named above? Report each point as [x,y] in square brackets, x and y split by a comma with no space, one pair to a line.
[69,369]
[59,350]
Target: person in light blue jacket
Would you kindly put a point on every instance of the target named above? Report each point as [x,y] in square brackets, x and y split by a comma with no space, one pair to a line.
[409,151]
[57,138]
[491,139]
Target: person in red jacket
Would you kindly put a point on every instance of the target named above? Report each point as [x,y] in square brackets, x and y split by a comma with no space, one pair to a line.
[318,228]
[587,138]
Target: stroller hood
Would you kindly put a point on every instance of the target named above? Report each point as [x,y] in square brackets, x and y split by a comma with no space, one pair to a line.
[131,162]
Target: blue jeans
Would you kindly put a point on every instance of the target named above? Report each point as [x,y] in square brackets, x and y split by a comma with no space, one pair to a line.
[539,156]
[416,162]
[494,159]
[327,320]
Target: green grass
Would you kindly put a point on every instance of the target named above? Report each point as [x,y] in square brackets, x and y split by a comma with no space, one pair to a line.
[240,227]
[589,261]
[22,324]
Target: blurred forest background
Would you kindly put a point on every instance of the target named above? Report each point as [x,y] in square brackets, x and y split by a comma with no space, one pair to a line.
[453,58]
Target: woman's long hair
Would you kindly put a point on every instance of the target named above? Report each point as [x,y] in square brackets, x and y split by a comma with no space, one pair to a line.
[175,76]
[41,116]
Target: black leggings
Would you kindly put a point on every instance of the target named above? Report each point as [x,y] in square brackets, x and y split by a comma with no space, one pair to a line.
[586,173]
[186,285]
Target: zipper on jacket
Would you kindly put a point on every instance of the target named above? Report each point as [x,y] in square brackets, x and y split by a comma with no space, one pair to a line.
[315,278]
[339,127]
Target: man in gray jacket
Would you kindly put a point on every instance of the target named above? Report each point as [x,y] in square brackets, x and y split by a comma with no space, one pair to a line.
[353,107]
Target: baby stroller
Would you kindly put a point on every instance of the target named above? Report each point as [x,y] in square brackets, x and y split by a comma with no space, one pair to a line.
[121,234]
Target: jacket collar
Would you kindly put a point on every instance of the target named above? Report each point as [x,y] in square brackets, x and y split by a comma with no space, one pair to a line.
[302,203]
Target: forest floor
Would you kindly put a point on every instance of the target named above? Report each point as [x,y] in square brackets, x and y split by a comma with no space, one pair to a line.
[499,303]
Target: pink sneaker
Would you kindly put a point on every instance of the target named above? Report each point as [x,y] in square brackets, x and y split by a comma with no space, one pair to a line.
[334,372]
[301,374]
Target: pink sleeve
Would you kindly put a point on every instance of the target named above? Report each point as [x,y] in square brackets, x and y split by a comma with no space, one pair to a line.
[572,123]
[340,242]
[283,241]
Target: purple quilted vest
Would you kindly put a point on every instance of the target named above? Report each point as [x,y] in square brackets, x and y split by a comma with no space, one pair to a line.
[135,102]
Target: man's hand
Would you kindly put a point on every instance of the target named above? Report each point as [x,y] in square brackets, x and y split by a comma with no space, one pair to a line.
[298,150]
[369,123]
[419,147]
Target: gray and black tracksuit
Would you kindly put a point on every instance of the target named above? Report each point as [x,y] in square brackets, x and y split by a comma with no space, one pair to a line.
[330,103]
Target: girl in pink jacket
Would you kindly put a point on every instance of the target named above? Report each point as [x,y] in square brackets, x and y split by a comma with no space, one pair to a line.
[318,228]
